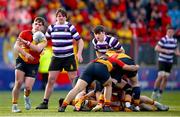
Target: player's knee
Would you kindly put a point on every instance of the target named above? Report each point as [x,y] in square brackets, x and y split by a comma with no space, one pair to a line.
[107,83]
[51,81]
[72,75]
[19,84]
[161,74]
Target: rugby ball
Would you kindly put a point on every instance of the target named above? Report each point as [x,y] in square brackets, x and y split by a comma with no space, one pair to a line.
[38,36]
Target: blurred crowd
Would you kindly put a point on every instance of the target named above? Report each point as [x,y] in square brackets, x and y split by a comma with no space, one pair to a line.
[142,20]
[128,19]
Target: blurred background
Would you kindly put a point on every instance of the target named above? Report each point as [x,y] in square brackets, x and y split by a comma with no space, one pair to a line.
[138,24]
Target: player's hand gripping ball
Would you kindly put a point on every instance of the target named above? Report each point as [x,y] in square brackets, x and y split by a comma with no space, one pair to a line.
[38,37]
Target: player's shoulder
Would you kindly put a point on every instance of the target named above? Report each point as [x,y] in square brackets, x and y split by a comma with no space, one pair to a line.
[69,24]
[124,55]
[51,26]
[25,33]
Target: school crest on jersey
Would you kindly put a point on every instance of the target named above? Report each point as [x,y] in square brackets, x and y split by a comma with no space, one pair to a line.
[71,67]
[66,29]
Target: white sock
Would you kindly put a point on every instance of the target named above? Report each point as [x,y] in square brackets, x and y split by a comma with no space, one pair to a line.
[127,104]
[157,103]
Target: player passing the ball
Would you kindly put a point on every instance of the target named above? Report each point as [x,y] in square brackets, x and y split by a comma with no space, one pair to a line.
[29,45]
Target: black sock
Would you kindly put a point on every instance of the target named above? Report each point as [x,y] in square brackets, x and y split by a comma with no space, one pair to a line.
[136,92]
[45,101]
[160,91]
[155,89]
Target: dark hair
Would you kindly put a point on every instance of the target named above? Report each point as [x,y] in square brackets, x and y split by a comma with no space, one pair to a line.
[98,29]
[170,27]
[62,11]
[41,20]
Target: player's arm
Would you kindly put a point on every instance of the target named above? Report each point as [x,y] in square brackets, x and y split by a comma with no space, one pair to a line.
[98,54]
[177,52]
[17,48]
[80,49]
[121,50]
[131,67]
[159,49]
[123,65]
[38,48]
[89,94]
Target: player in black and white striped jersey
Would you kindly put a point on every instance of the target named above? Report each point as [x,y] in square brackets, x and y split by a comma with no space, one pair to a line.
[62,34]
[166,48]
[103,42]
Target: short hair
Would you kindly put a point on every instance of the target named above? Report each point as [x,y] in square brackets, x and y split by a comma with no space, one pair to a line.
[41,20]
[170,27]
[98,29]
[62,11]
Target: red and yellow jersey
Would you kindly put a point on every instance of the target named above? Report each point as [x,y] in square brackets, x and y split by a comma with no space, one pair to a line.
[28,36]
[117,55]
[108,61]
[105,62]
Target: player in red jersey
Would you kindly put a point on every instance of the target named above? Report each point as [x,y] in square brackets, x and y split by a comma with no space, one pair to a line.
[29,45]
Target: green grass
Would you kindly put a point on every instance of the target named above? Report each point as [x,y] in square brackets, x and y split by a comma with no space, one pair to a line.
[170,98]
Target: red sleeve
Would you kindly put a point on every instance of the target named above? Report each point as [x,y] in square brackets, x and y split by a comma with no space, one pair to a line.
[114,60]
[26,35]
[22,35]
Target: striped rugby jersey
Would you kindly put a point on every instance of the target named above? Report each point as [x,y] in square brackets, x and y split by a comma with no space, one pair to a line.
[62,39]
[108,43]
[168,44]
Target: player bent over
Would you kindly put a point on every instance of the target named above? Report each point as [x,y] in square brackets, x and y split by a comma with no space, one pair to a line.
[97,70]
[29,46]
[131,76]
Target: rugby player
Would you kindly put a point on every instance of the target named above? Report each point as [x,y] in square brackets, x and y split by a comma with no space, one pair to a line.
[27,62]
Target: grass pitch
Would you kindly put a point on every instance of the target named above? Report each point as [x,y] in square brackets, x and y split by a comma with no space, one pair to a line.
[171,98]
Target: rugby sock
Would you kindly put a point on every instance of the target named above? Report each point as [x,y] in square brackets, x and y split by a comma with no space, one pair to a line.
[14,101]
[160,91]
[107,103]
[127,104]
[155,89]
[101,99]
[64,104]
[45,101]
[73,102]
[136,95]
[156,103]
[136,92]
[27,92]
